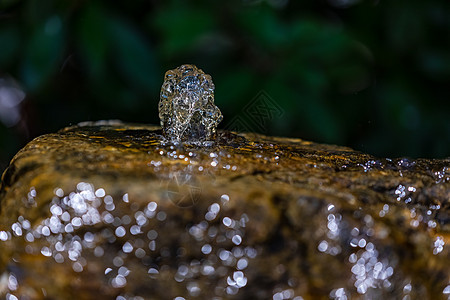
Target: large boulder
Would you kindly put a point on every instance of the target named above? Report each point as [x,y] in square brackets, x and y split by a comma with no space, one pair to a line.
[110,210]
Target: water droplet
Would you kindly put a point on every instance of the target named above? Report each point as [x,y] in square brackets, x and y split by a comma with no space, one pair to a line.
[206,249]
[120,231]
[237,239]
[127,247]
[227,221]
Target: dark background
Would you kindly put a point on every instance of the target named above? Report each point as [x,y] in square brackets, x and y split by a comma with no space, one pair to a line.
[372,75]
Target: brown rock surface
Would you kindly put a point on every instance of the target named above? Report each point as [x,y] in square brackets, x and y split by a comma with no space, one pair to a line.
[109,209]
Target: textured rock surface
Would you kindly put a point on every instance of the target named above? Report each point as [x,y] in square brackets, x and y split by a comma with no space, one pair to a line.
[108,209]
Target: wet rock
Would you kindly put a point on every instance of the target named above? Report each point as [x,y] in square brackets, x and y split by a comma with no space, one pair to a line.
[110,209]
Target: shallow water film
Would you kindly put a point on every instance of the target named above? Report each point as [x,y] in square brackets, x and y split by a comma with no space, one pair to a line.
[115,210]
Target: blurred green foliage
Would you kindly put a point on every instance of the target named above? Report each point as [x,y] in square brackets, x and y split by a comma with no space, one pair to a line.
[373,75]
